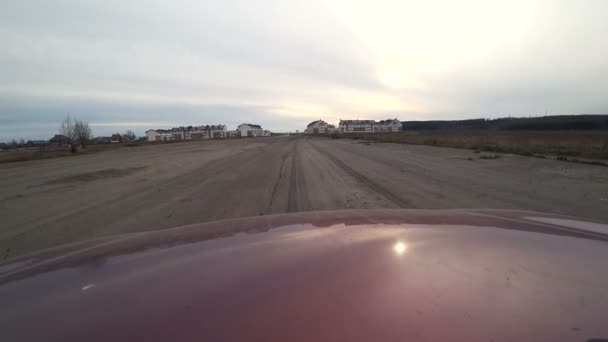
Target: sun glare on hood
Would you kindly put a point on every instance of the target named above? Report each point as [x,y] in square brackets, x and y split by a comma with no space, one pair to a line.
[400,248]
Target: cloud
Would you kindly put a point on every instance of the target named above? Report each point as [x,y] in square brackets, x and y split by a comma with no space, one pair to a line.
[284,63]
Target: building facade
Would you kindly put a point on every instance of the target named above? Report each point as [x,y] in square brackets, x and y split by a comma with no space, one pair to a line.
[389,125]
[369,126]
[250,130]
[59,140]
[188,133]
[116,138]
[356,126]
[317,127]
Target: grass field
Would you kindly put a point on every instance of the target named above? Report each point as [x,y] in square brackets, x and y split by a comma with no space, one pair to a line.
[563,145]
[34,153]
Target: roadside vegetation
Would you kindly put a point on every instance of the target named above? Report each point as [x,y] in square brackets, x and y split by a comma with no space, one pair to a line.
[19,154]
[36,153]
[571,138]
[573,146]
[47,152]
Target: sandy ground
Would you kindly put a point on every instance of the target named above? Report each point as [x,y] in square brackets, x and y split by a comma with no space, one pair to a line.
[49,202]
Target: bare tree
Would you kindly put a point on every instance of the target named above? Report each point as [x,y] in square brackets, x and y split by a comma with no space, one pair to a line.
[82,132]
[77,132]
[68,129]
[21,142]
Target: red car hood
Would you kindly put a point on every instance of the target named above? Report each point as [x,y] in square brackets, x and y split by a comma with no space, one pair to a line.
[367,275]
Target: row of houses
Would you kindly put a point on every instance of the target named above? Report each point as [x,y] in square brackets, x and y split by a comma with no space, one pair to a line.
[354,126]
[187,133]
[205,132]
[363,126]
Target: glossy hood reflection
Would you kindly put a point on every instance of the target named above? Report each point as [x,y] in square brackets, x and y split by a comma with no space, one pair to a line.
[395,276]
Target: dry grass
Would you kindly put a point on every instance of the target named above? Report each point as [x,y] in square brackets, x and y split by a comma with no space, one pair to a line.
[564,144]
[35,153]
[25,154]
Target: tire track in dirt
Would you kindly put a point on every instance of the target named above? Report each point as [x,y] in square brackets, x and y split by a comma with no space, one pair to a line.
[275,187]
[374,186]
[297,199]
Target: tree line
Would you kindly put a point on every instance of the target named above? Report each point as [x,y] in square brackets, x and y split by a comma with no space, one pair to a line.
[553,122]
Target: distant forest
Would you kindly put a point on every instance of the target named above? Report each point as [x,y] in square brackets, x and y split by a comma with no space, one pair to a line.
[553,122]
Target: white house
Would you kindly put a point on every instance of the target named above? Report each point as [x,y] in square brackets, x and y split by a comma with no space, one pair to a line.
[389,125]
[250,130]
[158,135]
[356,126]
[317,127]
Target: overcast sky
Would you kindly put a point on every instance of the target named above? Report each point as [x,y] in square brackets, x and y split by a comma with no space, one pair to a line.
[126,64]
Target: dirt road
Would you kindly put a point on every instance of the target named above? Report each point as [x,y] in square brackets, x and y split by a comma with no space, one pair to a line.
[48,202]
